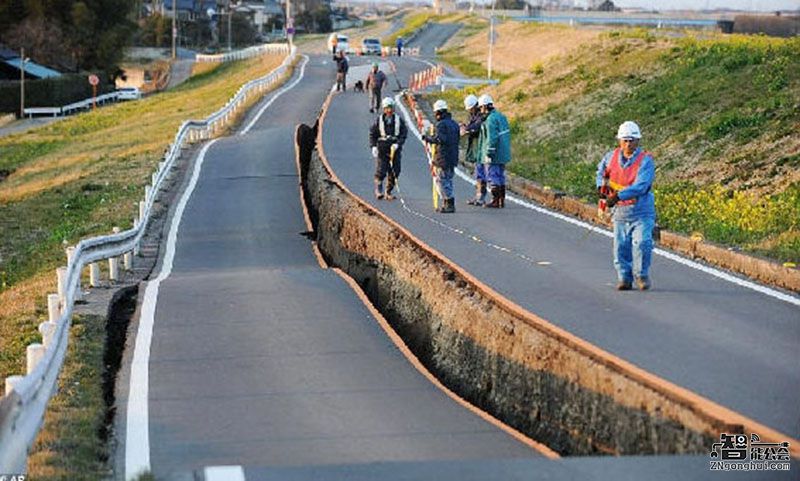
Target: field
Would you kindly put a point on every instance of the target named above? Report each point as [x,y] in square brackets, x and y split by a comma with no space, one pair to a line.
[80,177]
[721,115]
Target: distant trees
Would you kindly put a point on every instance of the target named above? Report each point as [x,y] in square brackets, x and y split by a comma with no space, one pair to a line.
[68,34]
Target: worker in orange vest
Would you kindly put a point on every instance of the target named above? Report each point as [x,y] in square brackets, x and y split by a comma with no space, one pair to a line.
[625,179]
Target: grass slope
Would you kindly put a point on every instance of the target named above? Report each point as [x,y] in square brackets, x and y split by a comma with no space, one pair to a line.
[79,178]
[721,115]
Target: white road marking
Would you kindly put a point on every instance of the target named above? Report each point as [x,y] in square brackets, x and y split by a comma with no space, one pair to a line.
[224,473]
[275,97]
[775,294]
[137,430]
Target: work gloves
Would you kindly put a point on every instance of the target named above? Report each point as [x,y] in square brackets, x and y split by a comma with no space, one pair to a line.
[375,151]
[395,148]
[612,200]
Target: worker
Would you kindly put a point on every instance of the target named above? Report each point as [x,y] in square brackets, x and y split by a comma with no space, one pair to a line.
[445,136]
[334,43]
[399,45]
[386,137]
[342,66]
[472,130]
[495,149]
[375,81]
[625,179]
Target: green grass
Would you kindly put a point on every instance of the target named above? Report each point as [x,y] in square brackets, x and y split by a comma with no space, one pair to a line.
[79,178]
[720,115]
[71,444]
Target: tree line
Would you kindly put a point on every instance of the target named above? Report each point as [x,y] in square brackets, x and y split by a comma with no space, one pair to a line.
[69,35]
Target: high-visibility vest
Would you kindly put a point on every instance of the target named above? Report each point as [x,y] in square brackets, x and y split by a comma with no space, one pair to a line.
[382,126]
[621,177]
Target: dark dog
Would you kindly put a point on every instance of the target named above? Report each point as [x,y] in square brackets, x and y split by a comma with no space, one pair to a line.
[359,86]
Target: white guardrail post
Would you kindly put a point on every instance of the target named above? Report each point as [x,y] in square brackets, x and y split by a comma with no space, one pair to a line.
[23,405]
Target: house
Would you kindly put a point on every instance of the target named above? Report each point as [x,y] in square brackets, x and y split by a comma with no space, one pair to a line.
[261,12]
[189,10]
[10,67]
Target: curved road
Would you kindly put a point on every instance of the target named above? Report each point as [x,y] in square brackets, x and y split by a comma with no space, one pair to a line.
[261,358]
[433,36]
[726,342]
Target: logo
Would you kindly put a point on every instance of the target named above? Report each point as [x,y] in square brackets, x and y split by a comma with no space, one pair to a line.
[737,452]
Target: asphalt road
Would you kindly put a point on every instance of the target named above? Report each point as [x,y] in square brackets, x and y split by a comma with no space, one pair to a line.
[432,36]
[728,343]
[259,357]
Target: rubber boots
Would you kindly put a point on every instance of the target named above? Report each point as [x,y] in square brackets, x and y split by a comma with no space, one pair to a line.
[390,182]
[480,194]
[378,189]
[448,206]
[498,198]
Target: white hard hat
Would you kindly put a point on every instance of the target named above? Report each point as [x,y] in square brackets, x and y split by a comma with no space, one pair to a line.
[439,105]
[485,99]
[629,130]
[387,102]
[470,101]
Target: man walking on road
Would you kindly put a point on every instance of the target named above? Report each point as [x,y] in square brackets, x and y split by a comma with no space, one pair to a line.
[625,179]
[342,66]
[495,149]
[399,45]
[374,84]
[445,136]
[386,137]
[472,130]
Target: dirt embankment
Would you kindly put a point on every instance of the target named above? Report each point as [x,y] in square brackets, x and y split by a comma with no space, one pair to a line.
[539,379]
[520,46]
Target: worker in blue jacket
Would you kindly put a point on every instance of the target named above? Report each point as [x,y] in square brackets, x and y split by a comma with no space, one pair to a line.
[495,149]
[472,129]
[445,160]
[625,179]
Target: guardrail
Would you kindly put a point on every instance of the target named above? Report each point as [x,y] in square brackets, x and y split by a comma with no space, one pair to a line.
[241,54]
[85,104]
[23,406]
[463,82]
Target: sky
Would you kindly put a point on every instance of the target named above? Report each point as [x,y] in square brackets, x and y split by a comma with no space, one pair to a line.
[760,5]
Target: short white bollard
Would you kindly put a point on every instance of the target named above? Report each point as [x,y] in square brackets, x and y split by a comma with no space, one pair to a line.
[47,330]
[148,190]
[127,261]
[94,274]
[113,269]
[53,307]
[11,383]
[70,259]
[70,254]
[61,276]
[35,353]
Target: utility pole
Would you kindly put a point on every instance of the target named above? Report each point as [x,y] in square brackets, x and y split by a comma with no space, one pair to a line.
[230,13]
[491,41]
[22,83]
[174,28]
[289,23]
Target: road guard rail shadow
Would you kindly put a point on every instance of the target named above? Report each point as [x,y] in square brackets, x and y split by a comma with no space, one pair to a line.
[532,375]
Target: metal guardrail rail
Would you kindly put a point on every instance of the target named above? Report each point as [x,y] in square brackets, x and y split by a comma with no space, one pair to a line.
[23,406]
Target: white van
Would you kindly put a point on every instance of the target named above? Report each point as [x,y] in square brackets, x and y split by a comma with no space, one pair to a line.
[342,42]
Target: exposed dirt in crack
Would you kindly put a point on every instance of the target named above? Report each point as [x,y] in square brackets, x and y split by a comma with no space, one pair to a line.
[539,379]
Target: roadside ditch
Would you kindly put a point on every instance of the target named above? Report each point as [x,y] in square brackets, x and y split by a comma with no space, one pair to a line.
[541,380]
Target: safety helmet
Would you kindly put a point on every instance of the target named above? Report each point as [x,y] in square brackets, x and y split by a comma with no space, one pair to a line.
[374,64]
[387,102]
[629,130]
[485,99]
[470,101]
[439,105]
